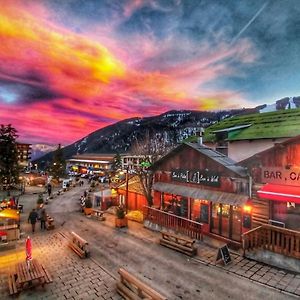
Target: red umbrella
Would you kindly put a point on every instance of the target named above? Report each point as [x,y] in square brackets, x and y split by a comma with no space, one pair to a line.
[28,250]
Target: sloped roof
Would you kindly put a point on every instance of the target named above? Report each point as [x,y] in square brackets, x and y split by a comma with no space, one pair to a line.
[218,157]
[278,124]
[134,185]
[95,156]
[10,214]
[294,139]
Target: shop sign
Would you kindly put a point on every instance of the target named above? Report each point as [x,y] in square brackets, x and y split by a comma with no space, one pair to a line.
[281,176]
[196,176]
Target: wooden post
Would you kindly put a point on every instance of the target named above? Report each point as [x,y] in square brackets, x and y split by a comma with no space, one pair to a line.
[126,196]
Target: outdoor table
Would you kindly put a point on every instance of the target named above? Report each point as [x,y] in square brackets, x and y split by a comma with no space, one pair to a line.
[27,276]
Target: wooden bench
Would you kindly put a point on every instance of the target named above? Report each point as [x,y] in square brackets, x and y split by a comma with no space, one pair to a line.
[59,192]
[49,223]
[132,288]
[179,243]
[79,245]
[98,214]
[13,290]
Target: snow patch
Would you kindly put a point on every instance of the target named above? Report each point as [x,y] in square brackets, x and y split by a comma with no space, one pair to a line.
[268,108]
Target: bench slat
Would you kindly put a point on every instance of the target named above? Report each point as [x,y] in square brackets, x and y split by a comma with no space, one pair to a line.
[126,293]
[130,280]
[181,244]
[77,250]
[175,247]
[12,284]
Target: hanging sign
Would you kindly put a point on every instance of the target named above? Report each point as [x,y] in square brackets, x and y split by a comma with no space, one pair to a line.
[196,176]
[281,176]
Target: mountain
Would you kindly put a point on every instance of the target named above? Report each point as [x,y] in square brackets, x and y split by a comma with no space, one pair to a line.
[284,103]
[172,127]
[39,150]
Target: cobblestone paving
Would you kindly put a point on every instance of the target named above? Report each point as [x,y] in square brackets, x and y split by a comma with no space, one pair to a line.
[73,278]
[279,279]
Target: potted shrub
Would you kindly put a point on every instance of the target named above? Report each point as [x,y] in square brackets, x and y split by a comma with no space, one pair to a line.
[120,220]
[88,207]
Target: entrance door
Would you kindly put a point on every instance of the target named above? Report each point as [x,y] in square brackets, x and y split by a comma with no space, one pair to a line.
[221,220]
[225,220]
[215,218]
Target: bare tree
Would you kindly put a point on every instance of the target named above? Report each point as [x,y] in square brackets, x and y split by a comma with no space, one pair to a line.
[149,150]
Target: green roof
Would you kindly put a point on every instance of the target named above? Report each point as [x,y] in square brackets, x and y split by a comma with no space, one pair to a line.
[277,124]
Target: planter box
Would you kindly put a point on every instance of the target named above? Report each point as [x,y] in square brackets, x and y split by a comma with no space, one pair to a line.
[121,222]
[87,211]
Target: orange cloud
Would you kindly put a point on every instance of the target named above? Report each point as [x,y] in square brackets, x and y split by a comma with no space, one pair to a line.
[96,85]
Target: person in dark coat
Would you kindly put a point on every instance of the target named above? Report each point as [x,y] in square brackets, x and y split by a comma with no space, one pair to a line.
[49,189]
[33,217]
[43,219]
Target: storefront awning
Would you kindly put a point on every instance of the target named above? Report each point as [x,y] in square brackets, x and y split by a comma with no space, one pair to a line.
[214,196]
[279,192]
[10,214]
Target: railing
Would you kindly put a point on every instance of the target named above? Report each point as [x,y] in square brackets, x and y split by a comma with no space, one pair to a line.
[181,225]
[279,240]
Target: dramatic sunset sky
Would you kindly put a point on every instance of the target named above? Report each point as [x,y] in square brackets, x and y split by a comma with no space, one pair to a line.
[69,67]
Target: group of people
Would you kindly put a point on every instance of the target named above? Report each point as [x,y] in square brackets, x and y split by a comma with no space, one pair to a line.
[9,203]
[34,216]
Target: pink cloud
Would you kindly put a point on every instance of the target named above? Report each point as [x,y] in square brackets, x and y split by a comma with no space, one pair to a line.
[103,79]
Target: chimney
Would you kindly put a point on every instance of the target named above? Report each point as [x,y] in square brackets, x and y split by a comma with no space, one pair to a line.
[199,134]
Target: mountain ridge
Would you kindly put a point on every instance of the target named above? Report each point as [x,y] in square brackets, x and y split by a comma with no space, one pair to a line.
[173,126]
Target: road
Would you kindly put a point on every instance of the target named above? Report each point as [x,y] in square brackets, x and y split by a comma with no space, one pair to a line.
[175,275]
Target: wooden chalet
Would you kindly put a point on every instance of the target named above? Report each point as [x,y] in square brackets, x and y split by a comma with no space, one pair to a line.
[133,191]
[275,199]
[199,189]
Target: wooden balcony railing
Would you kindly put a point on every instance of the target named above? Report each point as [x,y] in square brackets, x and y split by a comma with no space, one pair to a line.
[181,225]
[279,240]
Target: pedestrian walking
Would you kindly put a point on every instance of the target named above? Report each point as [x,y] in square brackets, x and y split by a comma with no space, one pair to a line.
[43,219]
[33,217]
[49,189]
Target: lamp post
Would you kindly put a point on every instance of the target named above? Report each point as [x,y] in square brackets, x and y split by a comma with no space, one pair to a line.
[127,192]
[126,195]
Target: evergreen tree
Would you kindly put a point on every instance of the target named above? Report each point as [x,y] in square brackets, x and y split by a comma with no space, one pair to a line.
[58,166]
[117,162]
[9,168]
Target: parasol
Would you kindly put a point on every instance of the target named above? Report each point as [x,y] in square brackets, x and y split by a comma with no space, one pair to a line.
[28,250]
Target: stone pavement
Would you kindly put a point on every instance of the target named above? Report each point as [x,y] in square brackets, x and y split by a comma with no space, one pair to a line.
[272,277]
[73,278]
